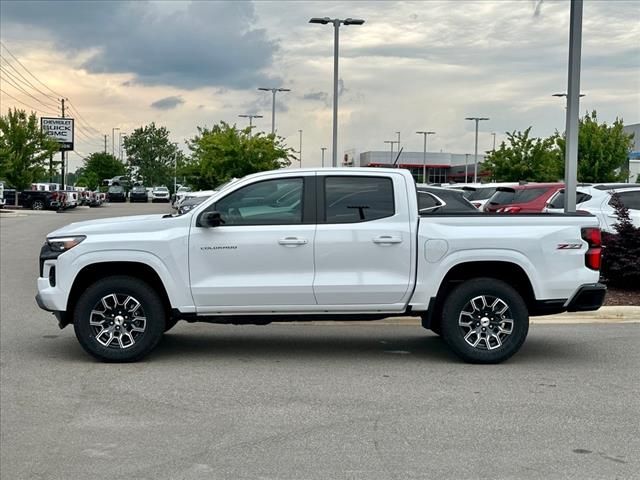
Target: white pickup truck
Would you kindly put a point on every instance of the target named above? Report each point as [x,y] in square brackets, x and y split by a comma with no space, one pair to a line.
[319,244]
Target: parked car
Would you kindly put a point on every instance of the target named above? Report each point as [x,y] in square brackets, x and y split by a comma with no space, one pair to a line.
[116,193]
[179,196]
[42,199]
[2,195]
[598,200]
[72,198]
[442,200]
[192,199]
[527,198]
[339,244]
[480,193]
[160,194]
[95,199]
[138,194]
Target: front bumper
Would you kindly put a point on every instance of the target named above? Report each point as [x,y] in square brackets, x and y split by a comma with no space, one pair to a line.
[588,298]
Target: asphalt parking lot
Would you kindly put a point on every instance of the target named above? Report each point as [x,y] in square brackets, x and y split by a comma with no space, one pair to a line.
[373,401]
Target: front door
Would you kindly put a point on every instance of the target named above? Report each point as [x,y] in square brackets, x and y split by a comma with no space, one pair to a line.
[263,253]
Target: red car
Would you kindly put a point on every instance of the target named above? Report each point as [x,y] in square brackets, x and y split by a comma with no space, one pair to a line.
[527,198]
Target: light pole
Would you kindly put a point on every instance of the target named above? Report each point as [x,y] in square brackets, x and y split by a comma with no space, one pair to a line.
[113,140]
[273,104]
[336,27]
[475,158]
[250,117]
[391,142]
[466,163]
[175,170]
[323,149]
[120,136]
[424,154]
[300,151]
[398,140]
[494,141]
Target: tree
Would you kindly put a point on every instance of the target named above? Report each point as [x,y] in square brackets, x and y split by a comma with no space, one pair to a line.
[224,152]
[23,149]
[603,150]
[525,158]
[97,167]
[151,154]
[620,266]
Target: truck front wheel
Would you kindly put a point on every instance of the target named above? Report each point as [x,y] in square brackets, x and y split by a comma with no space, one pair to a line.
[484,320]
[119,319]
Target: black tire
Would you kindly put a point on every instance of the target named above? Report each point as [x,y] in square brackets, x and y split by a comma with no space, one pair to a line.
[142,342]
[37,205]
[497,336]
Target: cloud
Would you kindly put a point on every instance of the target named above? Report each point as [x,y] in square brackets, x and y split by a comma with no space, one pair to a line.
[200,44]
[167,103]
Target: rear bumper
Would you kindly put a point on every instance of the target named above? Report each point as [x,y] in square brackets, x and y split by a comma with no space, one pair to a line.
[587,298]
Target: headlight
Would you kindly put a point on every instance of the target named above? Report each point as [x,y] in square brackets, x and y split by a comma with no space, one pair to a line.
[62,244]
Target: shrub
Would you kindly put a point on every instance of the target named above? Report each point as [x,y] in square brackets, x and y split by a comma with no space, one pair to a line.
[621,256]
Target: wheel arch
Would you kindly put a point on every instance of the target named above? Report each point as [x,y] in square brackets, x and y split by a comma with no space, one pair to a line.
[508,272]
[95,271]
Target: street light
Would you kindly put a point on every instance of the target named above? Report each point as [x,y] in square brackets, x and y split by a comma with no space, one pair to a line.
[391,142]
[398,140]
[323,149]
[336,27]
[475,158]
[494,141]
[250,117]
[273,104]
[424,155]
[120,135]
[561,95]
[113,140]
[175,170]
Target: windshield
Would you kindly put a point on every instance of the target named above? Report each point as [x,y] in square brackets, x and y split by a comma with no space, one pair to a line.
[161,189]
[139,190]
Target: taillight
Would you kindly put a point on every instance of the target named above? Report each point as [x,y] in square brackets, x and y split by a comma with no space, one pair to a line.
[593,257]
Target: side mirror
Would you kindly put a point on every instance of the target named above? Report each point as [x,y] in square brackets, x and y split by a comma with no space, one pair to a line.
[210,219]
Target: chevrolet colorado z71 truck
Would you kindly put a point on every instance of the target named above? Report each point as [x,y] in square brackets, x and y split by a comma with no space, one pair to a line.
[318,244]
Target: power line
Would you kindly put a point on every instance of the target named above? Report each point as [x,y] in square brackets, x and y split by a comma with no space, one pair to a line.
[12,81]
[80,119]
[29,72]
[27,105]
[25,79]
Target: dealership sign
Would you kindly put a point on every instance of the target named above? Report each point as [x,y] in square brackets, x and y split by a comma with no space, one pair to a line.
[60,129]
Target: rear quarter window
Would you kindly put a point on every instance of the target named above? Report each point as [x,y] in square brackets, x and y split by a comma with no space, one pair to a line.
[629,199]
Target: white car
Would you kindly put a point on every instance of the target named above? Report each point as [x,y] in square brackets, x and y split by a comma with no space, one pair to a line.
[598,200]
[160,194]
[308,244]
[180,195]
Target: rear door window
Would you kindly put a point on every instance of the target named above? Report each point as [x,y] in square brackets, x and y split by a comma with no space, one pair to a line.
[352,199]
[629,199]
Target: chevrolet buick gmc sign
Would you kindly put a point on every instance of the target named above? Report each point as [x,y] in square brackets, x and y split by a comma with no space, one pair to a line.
[60,129]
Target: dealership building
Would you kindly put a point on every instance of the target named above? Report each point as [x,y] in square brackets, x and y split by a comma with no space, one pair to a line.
[441,167]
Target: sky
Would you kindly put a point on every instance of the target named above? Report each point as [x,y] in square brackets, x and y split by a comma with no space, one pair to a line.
[412,66]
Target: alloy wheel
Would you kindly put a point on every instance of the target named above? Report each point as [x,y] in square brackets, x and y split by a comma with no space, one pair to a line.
[118,321]
[486,322]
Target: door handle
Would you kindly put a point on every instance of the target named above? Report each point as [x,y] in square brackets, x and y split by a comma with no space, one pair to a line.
[292,241]
[387,239]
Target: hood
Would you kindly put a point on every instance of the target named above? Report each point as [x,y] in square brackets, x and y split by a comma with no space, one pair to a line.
[131,224]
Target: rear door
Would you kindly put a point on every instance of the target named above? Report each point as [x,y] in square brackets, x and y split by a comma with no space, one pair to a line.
[363,246]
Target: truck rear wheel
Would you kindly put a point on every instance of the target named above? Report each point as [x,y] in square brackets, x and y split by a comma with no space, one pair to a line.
[119,319]
[484,320]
